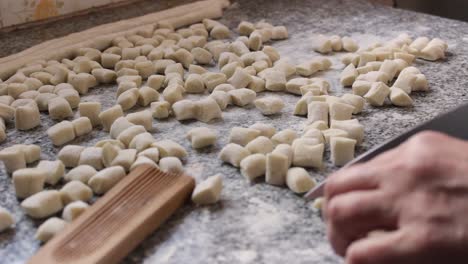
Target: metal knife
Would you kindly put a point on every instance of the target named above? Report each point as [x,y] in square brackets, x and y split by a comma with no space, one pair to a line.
[453,123]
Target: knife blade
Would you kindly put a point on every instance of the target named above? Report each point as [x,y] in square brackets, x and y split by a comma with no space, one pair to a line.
[453,123]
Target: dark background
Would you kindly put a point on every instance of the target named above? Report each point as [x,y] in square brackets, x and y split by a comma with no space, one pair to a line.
[455,9]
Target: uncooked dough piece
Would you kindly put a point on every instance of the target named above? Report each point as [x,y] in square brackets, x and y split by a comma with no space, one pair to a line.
[108,116]
[207,109]
[242,135]
[82,82]
[337,44]
[322,44]
[253,166]
[59,108]
[434,50]
[81,173]
[28,181]
[55,170]
[75,191]
[7,112]
[185,110]
[208,191]
[276,169]
[91,156]
[150,153]
[309,156]
[194,84]
[147,95]
[279,33]
[91,110]
[377,94]
[145,68]
[160,109]
[118,126]
[27,116]
[173,93]
[142,160]
[213,79]
[31,153]
[245,28]
[261,145]
[156,81]
[128,99]
[233,154]
[105,179]
[201,55]
[129,133]
[399,97]
[361,87]
[82,126]
[115,142]
[342,150]
[255,41]
[308,68]
[125,159]
[269,105]
[171,165]
[421,83]
[108,60]
[356,101]
[6,219]
[104,75]
[50,228]
[240,78]
[169,148]
[318,203]
[42,204]
[201,137]
[61,133]
[299,180]
[73,210]
[348,75]
[320,125]
[349,44]
[286,150]
[353,127]
[265,129]
[405,81]
[223,99]
[341,111]
[373,76]
[70,155]
[390,68]
[242,97]
[142,141]
[275,81]
[109,152]
[143,118]
[286,136]
[317,111]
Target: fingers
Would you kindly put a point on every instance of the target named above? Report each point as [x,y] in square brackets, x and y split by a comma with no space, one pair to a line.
[352,215]
[359,177]
[385,248]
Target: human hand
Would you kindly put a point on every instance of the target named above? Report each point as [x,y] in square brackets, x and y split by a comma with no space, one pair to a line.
[417,193]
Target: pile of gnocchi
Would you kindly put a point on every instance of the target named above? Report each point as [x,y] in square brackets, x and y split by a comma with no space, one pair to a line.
[154,70]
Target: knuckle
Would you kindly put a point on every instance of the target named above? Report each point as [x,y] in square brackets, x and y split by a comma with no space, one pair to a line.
[339,211]
[356,256]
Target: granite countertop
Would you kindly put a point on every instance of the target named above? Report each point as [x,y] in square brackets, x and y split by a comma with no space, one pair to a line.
[254,223]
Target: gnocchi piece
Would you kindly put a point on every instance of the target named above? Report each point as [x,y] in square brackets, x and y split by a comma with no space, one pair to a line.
[6,219]
[276,169]
[264,129]
[434,50]
[255,41]
[125,86]
[342,150]
[82,82]
[322,44]
[73,210]
[128,99]
[421,83]
[349,44]
[257,84]
[156,81]
[242,97]
[150,153]
[275,81]
[242,136]
[141,141]
[213,79]
[361,87]
[319,125]
[109,60]
[143,118]
[354,100]
[160,110]
[27,116]
[354,129]
[405,81]
[201,137]
[201,55]
[7,112]
[145,68]
[171,165]
[70,155]
[42,204]
[349,75]
[233,154]
[59,108]
[286,136]
[196,69]
[317,111]
[299,180]
[109,152]
[185,110]
[341,111]
[28,181]
[313,133]
[253,166]
[50,228]
[173,93]
[105,179]
[377,94]
[194,84]
[119,125]
[245,28]
[15,89]
[208,191]
[285,150]
[390,68]
[169,148]
[82,126]
[104,75]
[366,57]
[337,44]
[80,173]
[373,76]
[61,133]
[261,145]
[207,109]
[91,156]
[147,95]
[125,158]
[142,160]
[75,191]
[90,110]
[269,105]
[279,33]
[129,133]
[55,170]
[309,156]
[240,78]
[108,116]
[114,142]
[223,99]
[399,97]
[308,68]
